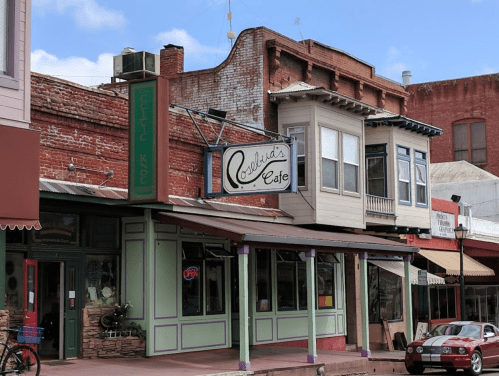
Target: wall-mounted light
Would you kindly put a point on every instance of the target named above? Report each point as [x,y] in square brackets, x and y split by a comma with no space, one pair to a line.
[109,174]
[455,198]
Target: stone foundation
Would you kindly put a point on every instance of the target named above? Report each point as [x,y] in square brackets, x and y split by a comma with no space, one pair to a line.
[95,347]
[4,323]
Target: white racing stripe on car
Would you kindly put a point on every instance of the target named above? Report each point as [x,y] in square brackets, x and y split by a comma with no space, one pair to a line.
[437,341]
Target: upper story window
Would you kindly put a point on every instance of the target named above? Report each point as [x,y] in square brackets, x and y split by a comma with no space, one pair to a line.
[329,153]
[376,170]
[299,134]
[404,175]
[9,43]
[470,142]
[351,163]
[421,172]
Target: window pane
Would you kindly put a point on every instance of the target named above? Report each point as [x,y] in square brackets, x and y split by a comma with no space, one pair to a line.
[329,143]
[192,288]
[461,156]
[329,173]
[14,280]
[350,149]
[302,285]
[4,32]
[103,232]
[460,138]
[403,183]
[421,194]
[351,173]
[390,295]
[403,170]
[234,266]
[403,191]
[286,286]
[479,156]
[403,151]
[325,286]
[215,287]
[299,134]
[376,176]
[301,171]
[478,136]
[263,281]
[420,174]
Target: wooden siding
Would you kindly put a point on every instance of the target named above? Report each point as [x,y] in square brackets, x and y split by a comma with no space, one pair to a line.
[342,208]
[301,205]
[14,104]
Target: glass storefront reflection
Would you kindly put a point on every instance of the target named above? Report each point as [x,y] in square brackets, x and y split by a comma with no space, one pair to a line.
[481,303]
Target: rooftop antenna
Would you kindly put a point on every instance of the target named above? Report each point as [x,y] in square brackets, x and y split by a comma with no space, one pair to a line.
[297,23]
[230,34]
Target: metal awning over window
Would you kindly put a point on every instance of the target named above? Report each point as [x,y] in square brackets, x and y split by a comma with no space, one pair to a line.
[450,261]
[397,267]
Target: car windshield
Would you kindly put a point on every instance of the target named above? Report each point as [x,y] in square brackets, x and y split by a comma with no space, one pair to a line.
[472,331]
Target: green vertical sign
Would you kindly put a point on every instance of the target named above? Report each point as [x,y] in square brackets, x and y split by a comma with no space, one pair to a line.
[142,174]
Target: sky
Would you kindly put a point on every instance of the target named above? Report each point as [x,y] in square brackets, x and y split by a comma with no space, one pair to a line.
[434,39]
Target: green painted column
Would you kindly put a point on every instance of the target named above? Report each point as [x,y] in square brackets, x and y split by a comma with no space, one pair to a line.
[312,345]
[3,256]
[244,362]
[364,302]
[408,298]
[149,280]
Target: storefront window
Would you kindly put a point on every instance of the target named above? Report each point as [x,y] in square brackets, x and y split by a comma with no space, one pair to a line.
[101,280]
[482,303]
[14,280]
[385,295]
[214,287]
[203,270]
[302,285]
[263,281]
[325,285]
[442,302]
[103,232]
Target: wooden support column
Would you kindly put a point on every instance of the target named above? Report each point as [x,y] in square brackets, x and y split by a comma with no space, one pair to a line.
[244,362]
[364,301]
[408,298]
[312,345]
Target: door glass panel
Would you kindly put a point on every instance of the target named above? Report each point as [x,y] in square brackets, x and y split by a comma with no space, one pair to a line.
[31,288]
[71,287]
[263,281]
[215,302]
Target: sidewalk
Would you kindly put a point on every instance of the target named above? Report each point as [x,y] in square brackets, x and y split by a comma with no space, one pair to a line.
[278,360]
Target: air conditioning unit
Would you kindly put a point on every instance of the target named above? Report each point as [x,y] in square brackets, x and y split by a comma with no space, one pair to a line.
[130,65]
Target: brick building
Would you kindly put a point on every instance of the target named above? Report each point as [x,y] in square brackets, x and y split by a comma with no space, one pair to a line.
[466,110]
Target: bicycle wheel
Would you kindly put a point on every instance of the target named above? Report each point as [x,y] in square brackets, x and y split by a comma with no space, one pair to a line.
[23,359]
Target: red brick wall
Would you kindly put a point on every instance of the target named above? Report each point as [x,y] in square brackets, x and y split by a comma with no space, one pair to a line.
[443,103]
[80,125]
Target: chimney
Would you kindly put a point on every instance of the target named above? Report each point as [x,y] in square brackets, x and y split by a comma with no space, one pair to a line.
[406,78]
[171,61]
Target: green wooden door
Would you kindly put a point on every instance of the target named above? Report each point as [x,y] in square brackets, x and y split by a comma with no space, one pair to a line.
[71,308]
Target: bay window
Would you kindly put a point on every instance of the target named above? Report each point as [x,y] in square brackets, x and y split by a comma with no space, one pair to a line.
[351,163]
[404,175]
[299,134]
[329,153]
[421,178]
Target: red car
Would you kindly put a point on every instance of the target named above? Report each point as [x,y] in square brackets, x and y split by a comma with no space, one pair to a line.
[467,345]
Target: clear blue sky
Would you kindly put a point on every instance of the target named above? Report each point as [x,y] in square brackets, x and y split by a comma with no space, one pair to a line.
[435,39]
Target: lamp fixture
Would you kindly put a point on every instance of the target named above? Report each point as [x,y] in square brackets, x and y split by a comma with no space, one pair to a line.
[109,174]
[455,198]
[460,232]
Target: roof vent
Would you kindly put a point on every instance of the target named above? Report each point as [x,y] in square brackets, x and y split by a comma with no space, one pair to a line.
[406,78]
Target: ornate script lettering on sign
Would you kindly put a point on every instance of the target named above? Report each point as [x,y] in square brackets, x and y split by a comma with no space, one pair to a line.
[256,168]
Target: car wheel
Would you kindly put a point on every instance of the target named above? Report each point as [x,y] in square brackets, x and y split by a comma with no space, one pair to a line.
[476,364]
[415,370]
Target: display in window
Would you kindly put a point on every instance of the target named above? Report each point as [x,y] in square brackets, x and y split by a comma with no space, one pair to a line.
[101,281]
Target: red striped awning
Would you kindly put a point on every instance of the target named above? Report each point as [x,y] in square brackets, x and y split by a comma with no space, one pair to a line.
[20,224]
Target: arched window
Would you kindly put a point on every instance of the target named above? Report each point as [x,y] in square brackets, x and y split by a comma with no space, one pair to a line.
[470,141]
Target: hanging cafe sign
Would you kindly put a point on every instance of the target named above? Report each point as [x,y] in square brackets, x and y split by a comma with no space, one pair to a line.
[257,168]
[248,169]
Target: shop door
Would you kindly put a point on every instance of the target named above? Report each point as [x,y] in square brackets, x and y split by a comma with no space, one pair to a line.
[71,309]
[30,293]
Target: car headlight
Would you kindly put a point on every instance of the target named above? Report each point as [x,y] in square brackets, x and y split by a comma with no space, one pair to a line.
[446,350]
[410,350]
[461,350]
[419,349]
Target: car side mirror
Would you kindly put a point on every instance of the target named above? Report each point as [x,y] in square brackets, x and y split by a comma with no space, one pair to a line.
[488,335]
